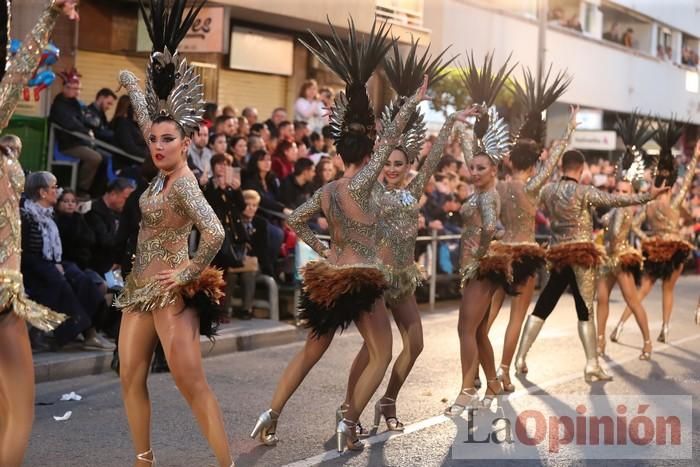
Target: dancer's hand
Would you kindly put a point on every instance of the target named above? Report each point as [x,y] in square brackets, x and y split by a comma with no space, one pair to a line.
[658,191]
[573,113]
[68,7]
[169,279]
[472,111]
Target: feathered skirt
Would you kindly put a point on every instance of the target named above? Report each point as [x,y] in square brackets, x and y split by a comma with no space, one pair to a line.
[496,265]
[626,260]
[14,300]
[662,257]
[402,282]
[569,254]
[332,296]
[527,258]
[203,294]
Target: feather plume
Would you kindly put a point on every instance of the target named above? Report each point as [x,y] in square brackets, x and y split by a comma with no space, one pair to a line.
[5,34]
[667,135]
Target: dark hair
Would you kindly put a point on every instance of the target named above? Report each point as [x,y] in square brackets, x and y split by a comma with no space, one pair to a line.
[217,159]
[314,137]
[444,162]
[221,119]
[235,141]
[327,132]
[302,165]
[120,184]
[105,92]
[257,128]
[278,109]
[64,192]
[572,159]
[210,111]
[300,124]
[284,123]
[252,168]
[524,154]
[164,118]
[282,147]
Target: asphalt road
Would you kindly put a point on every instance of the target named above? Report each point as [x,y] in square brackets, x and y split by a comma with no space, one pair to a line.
[97,435]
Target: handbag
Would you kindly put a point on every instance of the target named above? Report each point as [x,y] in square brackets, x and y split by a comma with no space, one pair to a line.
[234,247]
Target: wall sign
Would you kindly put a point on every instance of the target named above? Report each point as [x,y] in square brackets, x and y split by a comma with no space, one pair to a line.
[206,34]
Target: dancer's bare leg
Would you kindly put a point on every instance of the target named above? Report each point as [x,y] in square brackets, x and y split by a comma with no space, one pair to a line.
[647,284]
[476,300]
[629,292]
[497,300]
[667,288]
[518,309]
[137,341]
[605,285]
[178,331]
[16,390]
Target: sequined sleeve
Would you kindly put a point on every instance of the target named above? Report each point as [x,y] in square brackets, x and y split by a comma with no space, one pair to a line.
[601,199]
[138,100]
[361,184]
[535,184]
[22,66]
[687,180]
[488,208]
[637,224]
[615,224]
[465,142]
[192,204]
[417,185]
[299,222]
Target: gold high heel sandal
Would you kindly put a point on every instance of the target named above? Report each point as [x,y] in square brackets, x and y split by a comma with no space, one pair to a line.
[645,355]
[392,423]
[144,456]
[617,332]
[488,398]
[501,374]
[361,432]
[663,337]
[346,437]
[265,427]
[470,398]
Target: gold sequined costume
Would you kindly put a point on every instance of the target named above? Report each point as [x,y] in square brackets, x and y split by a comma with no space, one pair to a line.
[19,71]
[664,250]
[620,254]
[351,279]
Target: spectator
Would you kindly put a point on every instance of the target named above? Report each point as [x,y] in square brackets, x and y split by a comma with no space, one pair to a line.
[225,125]
[239,149]
[259,177]
[243,127]
[250,114]
[326,95]
[308,107]
[296,188]
[127,134]
[47,279]
[613,34]
[77,238]
[302,133]
[255,143]
[95,115]
[103,218]
[283,159]
[67,112]
[219,145]
[628,38]
[210,109]
[199,155]
[261,130]
[278,116]
[229,111]
[285,131]
[316,146]
[325,172]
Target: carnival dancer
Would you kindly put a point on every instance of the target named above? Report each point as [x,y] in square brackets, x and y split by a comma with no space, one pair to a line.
[573,256]
[624,262]
[347,284]
[16,310]
[169,296]
[398,220]
[664,250]
[485,265]
[519,200]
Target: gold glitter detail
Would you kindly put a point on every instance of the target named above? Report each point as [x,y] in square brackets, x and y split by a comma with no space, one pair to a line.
[13,298]
[479,218]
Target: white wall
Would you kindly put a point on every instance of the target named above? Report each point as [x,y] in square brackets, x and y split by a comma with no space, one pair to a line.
[605,76]
[681,14]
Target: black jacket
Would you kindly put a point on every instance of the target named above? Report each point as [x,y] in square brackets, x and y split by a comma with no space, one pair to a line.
[291,194]
[97,120]
[77,239]
[270,199]
[258,243]
[68,113]
[128,136]
[104,223]
[128,231]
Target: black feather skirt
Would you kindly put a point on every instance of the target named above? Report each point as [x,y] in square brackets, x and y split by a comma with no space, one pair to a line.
[527,259]
[663,257]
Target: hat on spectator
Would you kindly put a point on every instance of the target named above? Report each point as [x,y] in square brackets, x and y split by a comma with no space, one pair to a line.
[352,118]
[406,76]
[634,131]
[70,75]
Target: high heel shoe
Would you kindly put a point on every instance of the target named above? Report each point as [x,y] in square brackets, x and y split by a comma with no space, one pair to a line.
[392,423]
[346,437]
[532,328]
[470,399]
[144,456]
[488,398]
[361,431]
[617,332]
[265,427]
[646,355]
[501,375]
[663,336]
[601,348]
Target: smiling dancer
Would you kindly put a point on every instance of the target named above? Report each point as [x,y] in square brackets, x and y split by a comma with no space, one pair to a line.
[664,250]
[347,284]
[624,262]
[16,310]
[485,265]
[519,200]
[169,296]
[398,221]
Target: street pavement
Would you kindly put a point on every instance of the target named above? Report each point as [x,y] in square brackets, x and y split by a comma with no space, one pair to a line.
[97,434]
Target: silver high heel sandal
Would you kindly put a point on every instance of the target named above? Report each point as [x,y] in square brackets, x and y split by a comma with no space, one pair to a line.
[592,371]
[346,437]
[645,355]
[144,456]
[663,337]
[471,401]
[488,398]
[503,372]
[533,326]
[617,332]
[362,432]
[265,427]
[392,423]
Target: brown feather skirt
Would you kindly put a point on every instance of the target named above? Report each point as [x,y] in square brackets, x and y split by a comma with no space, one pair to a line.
[332,297]
[662,257]
[582,254]
[527,259]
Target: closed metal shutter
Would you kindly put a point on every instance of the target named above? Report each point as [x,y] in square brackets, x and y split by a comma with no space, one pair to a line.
[244,89]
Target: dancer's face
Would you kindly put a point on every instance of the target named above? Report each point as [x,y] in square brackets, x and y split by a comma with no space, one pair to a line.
[396,168]
[167,145]
[483,171]
[623,187]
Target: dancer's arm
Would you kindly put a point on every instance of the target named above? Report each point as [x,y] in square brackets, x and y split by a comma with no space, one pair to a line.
[190,202]
[637,224]
[488,208]
[616,221]
[687,179]
[601,199]
[299,222]
[465,143]
[138,101]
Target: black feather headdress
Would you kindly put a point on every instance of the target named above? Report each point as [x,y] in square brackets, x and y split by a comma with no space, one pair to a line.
[667,135]
[173,89]
[352,118]
[406,76]
[634,130]
[5,20]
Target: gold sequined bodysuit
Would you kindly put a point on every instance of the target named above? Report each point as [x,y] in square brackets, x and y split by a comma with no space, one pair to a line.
[618,249]
[479,218]
[19,70]
[167,220]
[398,223]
